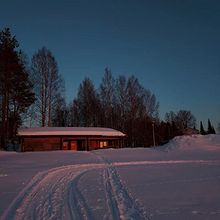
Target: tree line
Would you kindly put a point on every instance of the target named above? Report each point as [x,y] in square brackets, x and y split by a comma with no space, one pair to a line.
[33,95]
[210,129]
[121,103]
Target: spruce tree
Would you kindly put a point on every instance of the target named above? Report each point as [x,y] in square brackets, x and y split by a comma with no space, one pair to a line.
[202,131]
[16,93]
[211,129]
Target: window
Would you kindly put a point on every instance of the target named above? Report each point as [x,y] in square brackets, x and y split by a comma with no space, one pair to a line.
[65,145]
[103,144]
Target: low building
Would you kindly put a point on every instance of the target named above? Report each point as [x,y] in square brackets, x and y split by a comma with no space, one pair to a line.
[69,138]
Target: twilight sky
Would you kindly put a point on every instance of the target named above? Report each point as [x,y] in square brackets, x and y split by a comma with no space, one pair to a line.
[172,46]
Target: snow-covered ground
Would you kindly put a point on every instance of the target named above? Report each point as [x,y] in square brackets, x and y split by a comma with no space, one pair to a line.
[180,180]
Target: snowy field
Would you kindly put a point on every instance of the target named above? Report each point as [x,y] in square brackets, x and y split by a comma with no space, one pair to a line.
[180,180]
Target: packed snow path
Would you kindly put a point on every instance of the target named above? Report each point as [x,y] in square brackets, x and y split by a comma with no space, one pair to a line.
[121,205]
[54,194]
[178,181]
[51,195]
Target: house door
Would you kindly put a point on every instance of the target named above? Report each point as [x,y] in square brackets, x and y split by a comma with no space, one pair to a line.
[73,145]
[81,145]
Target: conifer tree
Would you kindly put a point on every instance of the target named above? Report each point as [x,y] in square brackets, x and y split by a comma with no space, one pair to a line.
[15,86]
[211,129]
[202,131]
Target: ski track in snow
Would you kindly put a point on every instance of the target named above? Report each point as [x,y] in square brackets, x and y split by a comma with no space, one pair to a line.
[54,194]
[49,194]
[120,203]
[78,207]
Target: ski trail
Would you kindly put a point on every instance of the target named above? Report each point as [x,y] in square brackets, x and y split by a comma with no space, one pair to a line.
[77,204]
[127,207]
[121,205]
[111,201]
[55,194]
[11,211]
[52,195]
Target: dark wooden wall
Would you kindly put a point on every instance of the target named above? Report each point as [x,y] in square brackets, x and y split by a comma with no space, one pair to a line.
[67,143]
[41,143]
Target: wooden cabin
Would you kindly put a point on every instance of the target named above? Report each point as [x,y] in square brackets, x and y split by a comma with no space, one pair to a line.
[69,138]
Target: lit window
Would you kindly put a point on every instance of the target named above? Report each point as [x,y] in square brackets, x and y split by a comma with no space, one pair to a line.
[65,145]
[103,144]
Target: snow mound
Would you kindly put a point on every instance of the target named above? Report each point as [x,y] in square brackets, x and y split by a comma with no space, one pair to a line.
[5,153]
[194,142]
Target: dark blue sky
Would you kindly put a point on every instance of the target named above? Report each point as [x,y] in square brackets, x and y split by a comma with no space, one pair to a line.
[172,46]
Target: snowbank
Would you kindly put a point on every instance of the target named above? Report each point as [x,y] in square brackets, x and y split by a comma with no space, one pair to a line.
[194,142]
[5,153]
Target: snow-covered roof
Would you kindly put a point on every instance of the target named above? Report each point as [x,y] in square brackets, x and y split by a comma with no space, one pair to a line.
[75,131]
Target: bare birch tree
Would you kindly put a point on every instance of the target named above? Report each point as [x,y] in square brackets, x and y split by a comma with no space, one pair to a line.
[107,98]
[48,84]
